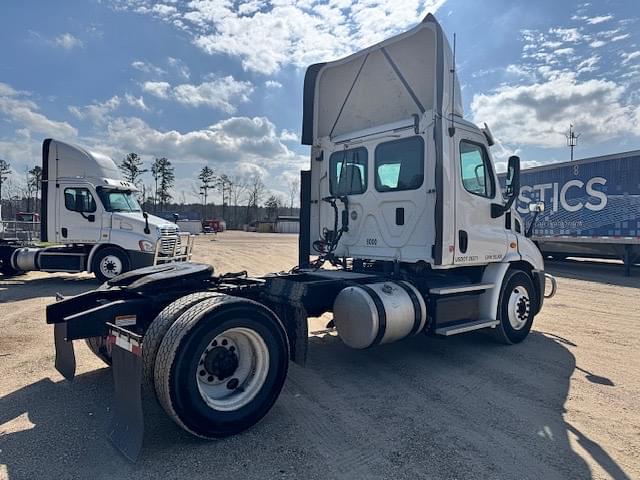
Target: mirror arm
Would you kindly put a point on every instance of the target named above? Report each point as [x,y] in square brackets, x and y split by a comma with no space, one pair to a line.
[532,224]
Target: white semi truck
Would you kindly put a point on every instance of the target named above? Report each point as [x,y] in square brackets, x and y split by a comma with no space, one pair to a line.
[401,199]
[91,221]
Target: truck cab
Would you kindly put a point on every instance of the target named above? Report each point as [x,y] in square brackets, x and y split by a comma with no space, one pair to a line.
[94,219]
[395,163]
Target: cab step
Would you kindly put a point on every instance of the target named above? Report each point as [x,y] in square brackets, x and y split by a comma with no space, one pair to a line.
[466,327]
[465,288]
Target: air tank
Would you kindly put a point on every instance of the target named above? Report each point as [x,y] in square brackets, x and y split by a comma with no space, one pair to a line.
[377,313]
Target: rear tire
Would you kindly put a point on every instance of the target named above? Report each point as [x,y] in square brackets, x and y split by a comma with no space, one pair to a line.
[516,307]
[244,349]
[100,348]
[159,327]
[109,262]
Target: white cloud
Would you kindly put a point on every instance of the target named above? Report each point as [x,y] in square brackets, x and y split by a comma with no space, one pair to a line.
[253,140]
[267,35]
[567,34]
[627,57]
[598,19]
[220,93]
[24,114]
[149,68]
[159,89]
[67,41]
[538,114]
[179,66]
[288,136]
[272,84]
[597,44]
[617,38]
[97,113]
[137,102]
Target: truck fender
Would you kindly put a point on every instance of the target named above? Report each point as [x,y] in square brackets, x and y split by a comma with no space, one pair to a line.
[494,273]
[94,250]
[92,253]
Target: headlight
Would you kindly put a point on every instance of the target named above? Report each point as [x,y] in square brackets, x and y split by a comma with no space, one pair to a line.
[146,246]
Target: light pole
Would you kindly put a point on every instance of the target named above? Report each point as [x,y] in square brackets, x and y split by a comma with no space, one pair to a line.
[572,139]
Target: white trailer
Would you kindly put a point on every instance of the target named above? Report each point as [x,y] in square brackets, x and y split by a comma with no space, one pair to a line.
[92,217]
[401,198]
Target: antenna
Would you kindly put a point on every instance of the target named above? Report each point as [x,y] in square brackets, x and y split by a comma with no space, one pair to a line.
[572,139]
[452,129]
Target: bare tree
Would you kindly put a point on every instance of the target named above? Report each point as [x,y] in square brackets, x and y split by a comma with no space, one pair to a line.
[255,194]
[5,171]
[237,190]
[294,188]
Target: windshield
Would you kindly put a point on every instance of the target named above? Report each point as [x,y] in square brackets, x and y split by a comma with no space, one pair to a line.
[119,200]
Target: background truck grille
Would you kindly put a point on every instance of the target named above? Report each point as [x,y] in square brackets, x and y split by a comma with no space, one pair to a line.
[168,239]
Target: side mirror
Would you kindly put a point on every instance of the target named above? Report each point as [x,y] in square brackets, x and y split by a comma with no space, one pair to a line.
[536,207]
[513,187]
[91,218]
[513,179]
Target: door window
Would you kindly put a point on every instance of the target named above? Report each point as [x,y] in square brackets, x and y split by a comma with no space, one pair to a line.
[400,164]
[348,174]
[477,176]
[79,200]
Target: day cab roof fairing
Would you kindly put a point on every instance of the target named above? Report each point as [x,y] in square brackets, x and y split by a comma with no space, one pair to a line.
[391,81]
[404,77]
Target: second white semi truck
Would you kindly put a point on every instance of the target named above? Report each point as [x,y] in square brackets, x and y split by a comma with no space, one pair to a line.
[91,221]
[402,198]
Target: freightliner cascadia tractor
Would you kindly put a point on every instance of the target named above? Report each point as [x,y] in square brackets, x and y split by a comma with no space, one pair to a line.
[404,231]
[93,219]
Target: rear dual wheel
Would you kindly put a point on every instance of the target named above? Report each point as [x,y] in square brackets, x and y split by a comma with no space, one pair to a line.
[221,366]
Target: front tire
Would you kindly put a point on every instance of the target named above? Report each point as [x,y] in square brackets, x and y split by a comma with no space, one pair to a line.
[221,366]
[516,307]
[109,262]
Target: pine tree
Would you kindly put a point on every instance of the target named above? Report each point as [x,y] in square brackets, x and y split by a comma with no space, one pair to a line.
[131,168]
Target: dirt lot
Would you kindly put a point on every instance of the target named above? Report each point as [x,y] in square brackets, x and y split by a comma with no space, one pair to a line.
[564,404]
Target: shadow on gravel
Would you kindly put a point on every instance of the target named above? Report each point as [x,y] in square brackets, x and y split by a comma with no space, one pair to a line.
[594,271]
[464,407]
[22,287]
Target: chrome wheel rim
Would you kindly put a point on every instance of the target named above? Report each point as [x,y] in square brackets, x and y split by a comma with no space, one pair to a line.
[519,307]
[110,266]
[232,369]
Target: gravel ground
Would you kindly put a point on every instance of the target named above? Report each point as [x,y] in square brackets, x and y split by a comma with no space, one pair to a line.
[563,404]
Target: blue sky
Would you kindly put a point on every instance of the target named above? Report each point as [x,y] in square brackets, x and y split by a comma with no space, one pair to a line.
[220,82]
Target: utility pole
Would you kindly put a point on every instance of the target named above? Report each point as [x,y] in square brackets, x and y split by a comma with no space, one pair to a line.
[572,139]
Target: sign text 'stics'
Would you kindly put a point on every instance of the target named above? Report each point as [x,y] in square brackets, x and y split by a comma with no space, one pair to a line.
[597,199]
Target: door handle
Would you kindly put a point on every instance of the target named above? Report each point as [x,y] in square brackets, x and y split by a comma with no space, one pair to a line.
[463,241]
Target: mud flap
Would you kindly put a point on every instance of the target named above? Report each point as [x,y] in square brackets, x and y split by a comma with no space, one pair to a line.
[126,430]
[65,354]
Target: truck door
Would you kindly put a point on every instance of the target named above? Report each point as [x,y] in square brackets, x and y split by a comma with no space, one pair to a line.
[79,215]
[478,237]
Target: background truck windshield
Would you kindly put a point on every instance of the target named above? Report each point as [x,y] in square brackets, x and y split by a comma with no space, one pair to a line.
[119,201]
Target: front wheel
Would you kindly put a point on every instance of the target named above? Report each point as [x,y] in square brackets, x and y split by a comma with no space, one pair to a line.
[221,366]
[109,262]
[516,307]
